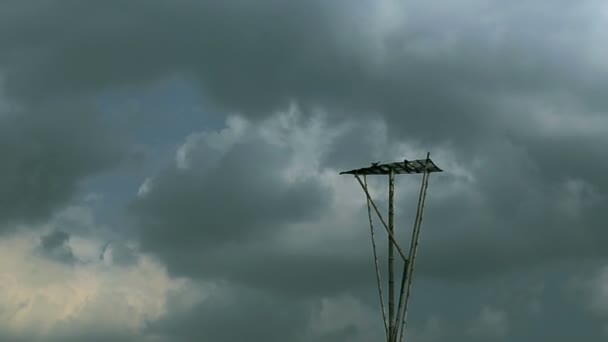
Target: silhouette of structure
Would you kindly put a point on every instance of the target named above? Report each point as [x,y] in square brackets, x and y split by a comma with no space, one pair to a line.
[394,324]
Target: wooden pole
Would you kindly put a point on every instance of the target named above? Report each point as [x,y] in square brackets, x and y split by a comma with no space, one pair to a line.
[391,256]
[390,234]
[425,185]
[405,274]
[376,266]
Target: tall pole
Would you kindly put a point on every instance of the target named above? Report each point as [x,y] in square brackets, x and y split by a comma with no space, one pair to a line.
[414,246]
[391,257]
[378,280]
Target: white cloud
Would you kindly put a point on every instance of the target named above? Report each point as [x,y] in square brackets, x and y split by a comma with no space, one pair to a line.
[576,196]
[146,186]
[93,197]
[214,143]
[432,331]
[343,313]
[45,298]
[490,323]
[597,290]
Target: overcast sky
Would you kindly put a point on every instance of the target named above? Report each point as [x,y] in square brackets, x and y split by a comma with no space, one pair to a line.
[169,169]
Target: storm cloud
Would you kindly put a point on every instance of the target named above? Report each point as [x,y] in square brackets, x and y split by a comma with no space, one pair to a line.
[249,210]
[48,149]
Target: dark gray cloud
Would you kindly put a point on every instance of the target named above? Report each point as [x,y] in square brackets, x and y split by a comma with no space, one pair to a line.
[436,81]
[512,94]
[93,337]
[518,305]
[48,149]
[121,253]
[223,200]
[236,313]
[518,211]
[56,245]
[470,232]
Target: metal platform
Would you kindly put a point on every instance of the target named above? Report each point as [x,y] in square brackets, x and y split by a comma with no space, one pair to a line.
[404,167]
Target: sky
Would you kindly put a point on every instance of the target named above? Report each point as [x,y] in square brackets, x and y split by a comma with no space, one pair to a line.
[170,169]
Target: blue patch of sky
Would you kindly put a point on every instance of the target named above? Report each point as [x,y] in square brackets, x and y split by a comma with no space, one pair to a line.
[157,118]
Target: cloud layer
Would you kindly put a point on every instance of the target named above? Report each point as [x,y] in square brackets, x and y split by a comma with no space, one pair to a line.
[252,216]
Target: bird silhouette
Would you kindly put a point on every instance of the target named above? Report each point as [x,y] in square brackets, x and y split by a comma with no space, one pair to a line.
[376,163]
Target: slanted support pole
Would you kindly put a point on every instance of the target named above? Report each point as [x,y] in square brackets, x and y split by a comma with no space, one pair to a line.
[391,257]
[390,234]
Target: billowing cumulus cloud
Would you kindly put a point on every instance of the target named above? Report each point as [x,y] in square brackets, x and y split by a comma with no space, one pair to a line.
[328,253]
[46,300]
[230,190]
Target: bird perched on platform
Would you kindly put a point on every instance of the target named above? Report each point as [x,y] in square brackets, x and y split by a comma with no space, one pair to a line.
[376,163]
